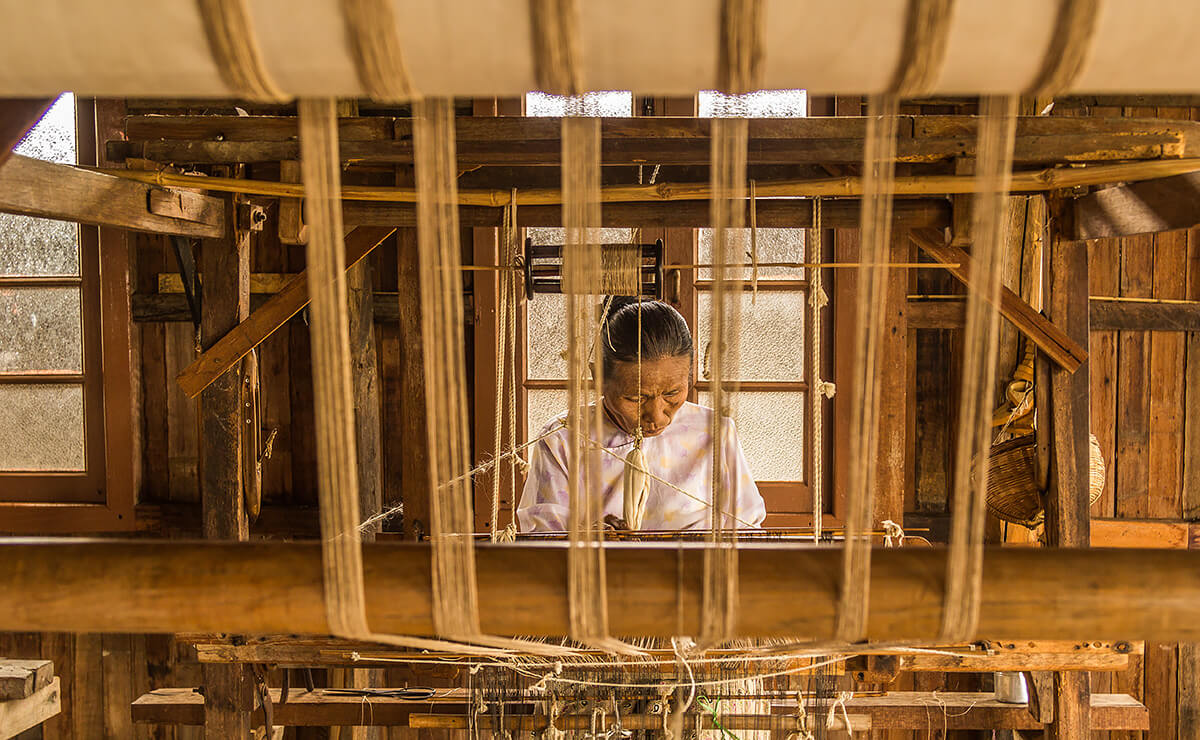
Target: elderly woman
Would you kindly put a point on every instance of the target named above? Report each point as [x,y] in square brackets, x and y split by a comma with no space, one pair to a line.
[676,433]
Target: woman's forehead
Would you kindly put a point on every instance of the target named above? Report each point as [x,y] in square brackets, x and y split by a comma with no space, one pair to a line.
[665,371]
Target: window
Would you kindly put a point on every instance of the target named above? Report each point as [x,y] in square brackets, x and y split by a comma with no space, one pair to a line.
[67,463]
[49,372]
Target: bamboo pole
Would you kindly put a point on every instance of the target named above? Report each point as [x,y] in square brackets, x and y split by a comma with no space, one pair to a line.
[1052,178]
[583,722]
[653,590]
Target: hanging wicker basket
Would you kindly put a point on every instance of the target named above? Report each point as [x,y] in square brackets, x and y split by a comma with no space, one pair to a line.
[1012,492]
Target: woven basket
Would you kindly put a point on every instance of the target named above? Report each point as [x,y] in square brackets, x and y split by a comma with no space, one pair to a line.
[1012,492]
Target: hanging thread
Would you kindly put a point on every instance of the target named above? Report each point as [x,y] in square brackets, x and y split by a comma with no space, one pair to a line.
[229,30]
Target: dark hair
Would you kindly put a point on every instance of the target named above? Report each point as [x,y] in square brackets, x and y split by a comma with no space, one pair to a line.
[664,332]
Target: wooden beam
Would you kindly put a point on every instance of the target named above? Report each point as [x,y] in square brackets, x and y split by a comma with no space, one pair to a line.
[666,140]
[19,715]
[245,336]
[35,188]
[17,117]
[229,690]
[1067,502]
[896,710]
[1104,315]
[365,379]
[1066,352]
[1028,593]
[1144,207]
[780,213]
[1144,534]
[21,678]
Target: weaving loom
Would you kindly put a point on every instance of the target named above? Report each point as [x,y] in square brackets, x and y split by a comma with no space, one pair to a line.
[714,670]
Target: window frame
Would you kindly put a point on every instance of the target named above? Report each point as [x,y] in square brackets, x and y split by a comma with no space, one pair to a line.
[102,497]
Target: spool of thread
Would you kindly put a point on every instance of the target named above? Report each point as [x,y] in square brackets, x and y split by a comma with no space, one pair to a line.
[621,269]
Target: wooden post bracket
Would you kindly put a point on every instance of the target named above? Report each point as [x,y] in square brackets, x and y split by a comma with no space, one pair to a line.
[247,335]
[1064,351]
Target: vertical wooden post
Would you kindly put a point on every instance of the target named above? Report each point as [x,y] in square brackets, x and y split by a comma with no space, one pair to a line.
[225,264]
[414,466]
[1068,522]
[894,476]
[366,392]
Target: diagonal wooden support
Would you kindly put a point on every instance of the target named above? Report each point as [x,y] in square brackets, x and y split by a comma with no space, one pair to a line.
[17,117]
[1064,351]
[231,348]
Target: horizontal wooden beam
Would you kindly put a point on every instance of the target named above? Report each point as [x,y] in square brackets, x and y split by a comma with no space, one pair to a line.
[320,708]
[665,140]
[1104,315]
[264,588]
[32,187]
[897,710]
[1050,339]
[1143,207]
[231,348]
[1145,533]
[781,213]
[1027,655]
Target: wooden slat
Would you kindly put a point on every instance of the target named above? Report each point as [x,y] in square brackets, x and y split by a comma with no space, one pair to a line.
[247,335]
[1149,534]
[1133,387]
[1062,349]
[45,189]
[318,708]
[1188,688]
[21,714]
[87,710]
[1167,369]
[1191,409]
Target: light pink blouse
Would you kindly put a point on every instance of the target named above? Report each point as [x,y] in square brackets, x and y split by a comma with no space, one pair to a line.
[681,454]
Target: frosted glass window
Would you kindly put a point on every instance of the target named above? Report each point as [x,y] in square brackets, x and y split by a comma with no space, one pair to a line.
[41,330]
[770,426]
[774,245]
[546,315]
[761,104]
[611,103]
[39,246]
[542,406]
[771,341]
[41,427]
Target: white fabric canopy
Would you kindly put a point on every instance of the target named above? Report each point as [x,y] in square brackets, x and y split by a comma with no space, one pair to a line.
[482,47]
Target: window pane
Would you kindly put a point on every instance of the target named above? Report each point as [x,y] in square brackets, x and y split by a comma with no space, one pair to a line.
[41,329]
[541,408]
[770,426]
[774,245]
[546,317]
[771,341]
[38,246]
[41,427]
[613,103]
[761,104]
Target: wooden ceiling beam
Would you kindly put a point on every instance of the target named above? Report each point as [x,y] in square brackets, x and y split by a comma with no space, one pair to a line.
[660,140]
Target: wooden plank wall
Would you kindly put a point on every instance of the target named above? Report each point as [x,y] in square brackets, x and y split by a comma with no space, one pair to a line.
[101,675]
[1139,402]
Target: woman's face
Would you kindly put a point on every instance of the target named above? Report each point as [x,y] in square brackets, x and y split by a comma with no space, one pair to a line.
[665,384]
